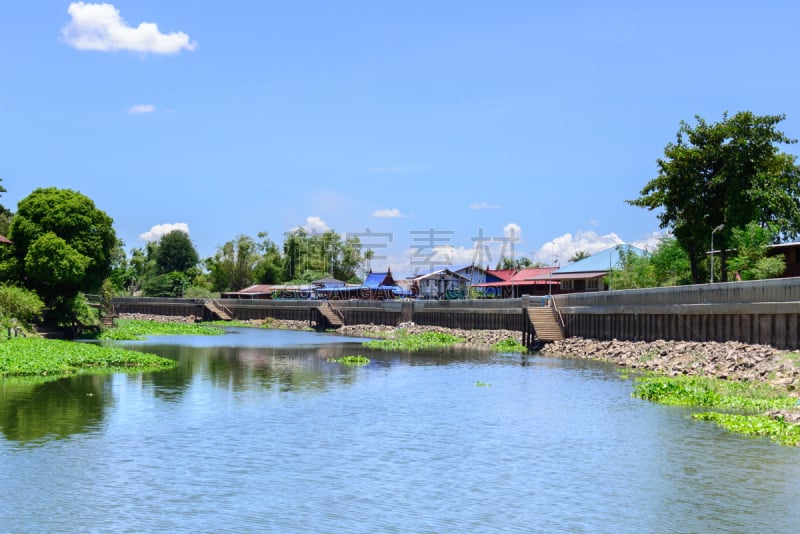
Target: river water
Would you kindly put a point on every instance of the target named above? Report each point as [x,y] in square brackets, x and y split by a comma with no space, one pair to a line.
[257,431]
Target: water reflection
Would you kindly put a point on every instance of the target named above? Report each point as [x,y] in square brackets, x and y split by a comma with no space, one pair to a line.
[32,410]
[271,436]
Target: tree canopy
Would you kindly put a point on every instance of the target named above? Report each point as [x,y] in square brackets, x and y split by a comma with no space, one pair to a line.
[724,175]
[63,244]
[175,253]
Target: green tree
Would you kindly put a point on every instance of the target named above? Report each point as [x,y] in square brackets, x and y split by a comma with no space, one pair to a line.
[176,254]
[727,173]
[326,253]
[670,263]
[633,271]
[5,215]
[233,267]
[268,269]
[63,244]
[510,263]
[751,261]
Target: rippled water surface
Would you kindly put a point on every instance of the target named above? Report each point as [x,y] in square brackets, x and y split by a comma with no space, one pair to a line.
[257,431]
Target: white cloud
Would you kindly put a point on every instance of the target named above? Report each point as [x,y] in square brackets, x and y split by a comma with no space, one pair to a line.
[388,213]
[484,206]
[142,108]
[313,225]
[158,231]
[100,27]
[512,231]
[565,246]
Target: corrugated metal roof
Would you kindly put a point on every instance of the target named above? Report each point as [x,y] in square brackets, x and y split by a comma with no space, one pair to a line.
[375,280]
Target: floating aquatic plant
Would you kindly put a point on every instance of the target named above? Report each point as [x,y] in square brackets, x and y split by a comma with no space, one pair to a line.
[350,360]
[402,340]
[36,356]
[509,345]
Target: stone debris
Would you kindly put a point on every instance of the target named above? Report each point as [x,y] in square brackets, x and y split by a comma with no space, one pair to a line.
[730,360]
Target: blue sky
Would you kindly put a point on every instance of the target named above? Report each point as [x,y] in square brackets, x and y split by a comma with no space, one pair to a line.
[438,131]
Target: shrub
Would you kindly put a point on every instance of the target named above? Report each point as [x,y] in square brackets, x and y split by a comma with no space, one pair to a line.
[19,303]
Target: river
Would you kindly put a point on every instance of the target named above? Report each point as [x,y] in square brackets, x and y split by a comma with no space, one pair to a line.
[257,431]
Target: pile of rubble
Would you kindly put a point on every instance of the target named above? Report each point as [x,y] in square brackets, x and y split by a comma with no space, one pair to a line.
[728,360]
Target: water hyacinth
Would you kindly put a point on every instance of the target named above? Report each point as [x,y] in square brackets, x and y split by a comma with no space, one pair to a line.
[350,360]
[404,341]
[36,356]
[133,329]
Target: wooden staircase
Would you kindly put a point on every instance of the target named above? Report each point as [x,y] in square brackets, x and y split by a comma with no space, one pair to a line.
[218,309]
[545,323]
[331,314]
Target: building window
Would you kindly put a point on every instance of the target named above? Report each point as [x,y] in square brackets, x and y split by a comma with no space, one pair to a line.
[591,285]
[567,285]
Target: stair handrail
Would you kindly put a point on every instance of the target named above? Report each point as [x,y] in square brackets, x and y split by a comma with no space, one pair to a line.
[335,310]
[221,307]
[559,317]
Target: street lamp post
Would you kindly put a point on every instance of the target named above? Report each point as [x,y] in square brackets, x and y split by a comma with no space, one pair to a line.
[720,227]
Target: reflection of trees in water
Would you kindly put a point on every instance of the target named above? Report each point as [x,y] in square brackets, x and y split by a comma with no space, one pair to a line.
[34,409]
[249,368]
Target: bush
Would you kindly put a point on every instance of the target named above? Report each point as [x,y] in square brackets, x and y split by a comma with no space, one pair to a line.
[19,303]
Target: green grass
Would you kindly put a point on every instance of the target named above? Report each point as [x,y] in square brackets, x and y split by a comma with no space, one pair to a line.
[509,345]
[40,357]
[132,329]
[404,341]
[777,430]
[350,360]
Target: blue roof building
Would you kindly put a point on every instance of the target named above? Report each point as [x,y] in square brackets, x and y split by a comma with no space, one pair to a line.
[588,274]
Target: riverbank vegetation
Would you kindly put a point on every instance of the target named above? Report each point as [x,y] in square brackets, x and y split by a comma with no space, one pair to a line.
[747,401]
[133,329]
[350,360]
[401,340]
[509,345]
[39,357]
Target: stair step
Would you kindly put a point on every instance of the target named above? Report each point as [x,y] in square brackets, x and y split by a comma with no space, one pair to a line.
[545,324]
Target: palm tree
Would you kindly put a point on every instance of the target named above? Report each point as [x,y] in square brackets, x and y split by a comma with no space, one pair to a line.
[579,255]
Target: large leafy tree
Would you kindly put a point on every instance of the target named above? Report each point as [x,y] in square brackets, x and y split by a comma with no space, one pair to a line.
[724,175]
[176,254]
[63,244]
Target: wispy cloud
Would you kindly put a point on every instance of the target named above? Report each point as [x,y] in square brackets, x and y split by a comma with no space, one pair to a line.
[101,27]
[142,108]
[158,231]
[388,213]
[484,206]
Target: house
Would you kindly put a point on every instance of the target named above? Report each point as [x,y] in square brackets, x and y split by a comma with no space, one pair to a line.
[588,274]
[255,291]
[441,284]
[377,286]
[5,241]
[271,291]
[512,283]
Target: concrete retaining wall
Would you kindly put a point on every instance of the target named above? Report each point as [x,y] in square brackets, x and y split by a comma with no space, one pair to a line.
[764,312]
